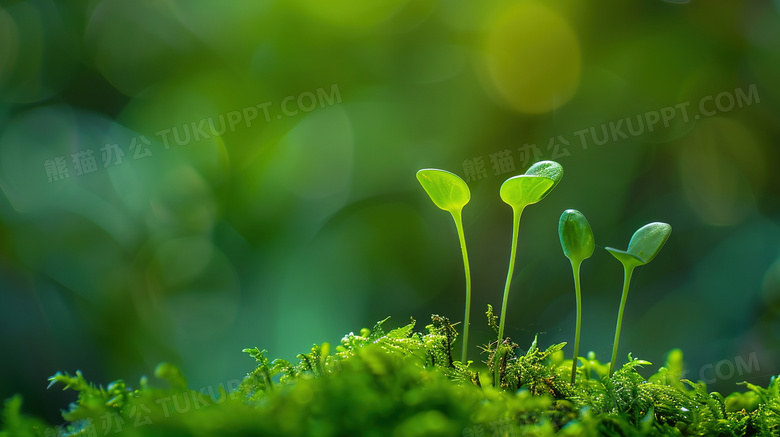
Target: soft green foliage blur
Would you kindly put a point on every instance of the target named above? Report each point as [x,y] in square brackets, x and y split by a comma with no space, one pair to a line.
[266,192]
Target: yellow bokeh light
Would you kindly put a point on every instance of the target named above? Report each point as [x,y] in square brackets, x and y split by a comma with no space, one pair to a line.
[351,13]
[533,58]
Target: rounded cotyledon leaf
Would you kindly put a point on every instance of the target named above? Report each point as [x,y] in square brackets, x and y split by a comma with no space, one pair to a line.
[645,244]
[447,190]
[648,240]
[576,236]
[523,190]
[533,186]
[548,169]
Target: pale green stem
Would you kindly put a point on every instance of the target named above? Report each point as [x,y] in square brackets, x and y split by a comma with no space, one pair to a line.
[627,271]
[456,215]
[576,269]
[497,366]
[515,230]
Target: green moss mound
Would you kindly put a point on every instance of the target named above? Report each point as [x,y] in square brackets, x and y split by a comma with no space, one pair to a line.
[405,383]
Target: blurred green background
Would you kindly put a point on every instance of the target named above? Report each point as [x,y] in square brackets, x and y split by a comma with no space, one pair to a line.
[251,178]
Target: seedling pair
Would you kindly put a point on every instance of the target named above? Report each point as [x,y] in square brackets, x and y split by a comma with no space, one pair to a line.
[578,245]
[450,193]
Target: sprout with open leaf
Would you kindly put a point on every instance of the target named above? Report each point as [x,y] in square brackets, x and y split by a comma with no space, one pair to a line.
[643,247]
[450,193]
[578,245]
[519,192]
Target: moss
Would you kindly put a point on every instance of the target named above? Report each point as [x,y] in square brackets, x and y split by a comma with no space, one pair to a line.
[405,383]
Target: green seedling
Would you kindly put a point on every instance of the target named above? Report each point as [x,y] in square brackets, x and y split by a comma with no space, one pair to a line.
[519,192]
[643,247]
[450,193]
[578,245]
